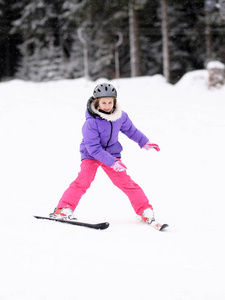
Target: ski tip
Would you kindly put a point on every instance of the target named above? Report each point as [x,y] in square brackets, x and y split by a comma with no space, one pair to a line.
[37,217]
[104,225]
[163,227]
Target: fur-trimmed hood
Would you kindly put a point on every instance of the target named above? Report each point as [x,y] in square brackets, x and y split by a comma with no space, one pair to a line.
[117,113]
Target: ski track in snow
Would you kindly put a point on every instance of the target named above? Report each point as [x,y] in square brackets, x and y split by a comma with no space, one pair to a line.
[40,136]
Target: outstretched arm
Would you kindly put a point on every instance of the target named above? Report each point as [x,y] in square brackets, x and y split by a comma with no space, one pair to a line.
[136,135]
[132,132]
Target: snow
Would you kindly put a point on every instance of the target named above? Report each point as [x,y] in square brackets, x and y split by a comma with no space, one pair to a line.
[215,65]
[40,136]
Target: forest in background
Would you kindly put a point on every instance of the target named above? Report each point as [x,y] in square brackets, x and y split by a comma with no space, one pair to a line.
[43,40]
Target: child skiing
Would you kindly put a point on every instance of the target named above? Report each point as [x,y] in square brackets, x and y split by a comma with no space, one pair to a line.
[100,147]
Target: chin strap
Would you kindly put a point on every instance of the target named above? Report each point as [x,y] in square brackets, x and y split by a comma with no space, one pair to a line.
[105,112]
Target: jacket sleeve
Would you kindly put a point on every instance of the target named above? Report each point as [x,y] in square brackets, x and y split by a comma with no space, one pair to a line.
[132,132]
[93,145]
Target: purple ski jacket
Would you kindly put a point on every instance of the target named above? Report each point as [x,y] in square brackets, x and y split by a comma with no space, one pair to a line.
[100,134]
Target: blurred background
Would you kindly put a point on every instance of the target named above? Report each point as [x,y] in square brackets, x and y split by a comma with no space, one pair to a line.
[42,40]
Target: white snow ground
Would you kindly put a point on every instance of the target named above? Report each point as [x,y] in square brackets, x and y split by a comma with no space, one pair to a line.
[39,157]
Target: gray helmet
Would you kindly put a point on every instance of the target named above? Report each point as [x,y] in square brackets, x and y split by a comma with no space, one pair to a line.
[104,90]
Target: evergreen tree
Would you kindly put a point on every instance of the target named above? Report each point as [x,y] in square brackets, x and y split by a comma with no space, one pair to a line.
[45,32]
[96,18]
[43,56]
[150,39]
[186,37]
[8,43]
[215,28]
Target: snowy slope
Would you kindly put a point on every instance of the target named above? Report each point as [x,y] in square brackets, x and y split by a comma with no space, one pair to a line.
[40,136]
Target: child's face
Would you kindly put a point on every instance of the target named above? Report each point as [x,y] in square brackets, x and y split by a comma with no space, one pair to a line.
[106,104]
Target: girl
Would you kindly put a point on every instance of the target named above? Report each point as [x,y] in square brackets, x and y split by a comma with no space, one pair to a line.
[100,147]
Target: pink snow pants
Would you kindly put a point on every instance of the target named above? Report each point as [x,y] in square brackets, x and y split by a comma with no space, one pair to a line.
[78,188]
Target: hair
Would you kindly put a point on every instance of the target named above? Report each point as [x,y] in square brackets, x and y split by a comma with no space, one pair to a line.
[96,103]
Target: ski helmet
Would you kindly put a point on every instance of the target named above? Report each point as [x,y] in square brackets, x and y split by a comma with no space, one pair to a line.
[104,90]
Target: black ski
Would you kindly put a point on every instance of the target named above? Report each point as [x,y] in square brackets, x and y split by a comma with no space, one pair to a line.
[99,226]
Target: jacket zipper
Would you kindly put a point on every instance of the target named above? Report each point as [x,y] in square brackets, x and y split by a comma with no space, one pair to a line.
[110,135]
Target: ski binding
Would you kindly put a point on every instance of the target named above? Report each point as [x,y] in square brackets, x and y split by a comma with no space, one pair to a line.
[158,226]
[153,223]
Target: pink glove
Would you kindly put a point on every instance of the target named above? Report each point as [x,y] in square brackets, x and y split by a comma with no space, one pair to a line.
[149,146]
[118,166]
